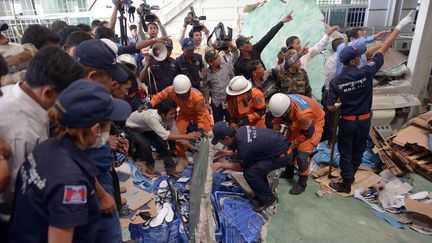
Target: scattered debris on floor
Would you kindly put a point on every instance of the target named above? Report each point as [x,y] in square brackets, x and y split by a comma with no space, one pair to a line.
[390,193]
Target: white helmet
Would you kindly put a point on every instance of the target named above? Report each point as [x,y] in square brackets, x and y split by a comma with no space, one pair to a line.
[181,84]
[279,104]
[127,59]
[238,85]
[111,44]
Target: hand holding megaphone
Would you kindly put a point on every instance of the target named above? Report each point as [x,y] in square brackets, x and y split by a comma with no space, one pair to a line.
[158,51]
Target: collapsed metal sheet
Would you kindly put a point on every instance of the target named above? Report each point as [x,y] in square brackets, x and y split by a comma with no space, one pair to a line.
[307,24]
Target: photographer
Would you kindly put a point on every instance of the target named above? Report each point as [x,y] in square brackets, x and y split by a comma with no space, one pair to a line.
[196,35]
[152,29]
[229,55]
[249,52]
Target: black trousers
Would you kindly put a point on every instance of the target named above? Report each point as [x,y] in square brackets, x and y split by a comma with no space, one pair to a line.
[256,176]
[219,113]
[329,118]
[143,142]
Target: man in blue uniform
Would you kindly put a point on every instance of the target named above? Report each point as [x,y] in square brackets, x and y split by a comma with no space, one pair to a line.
[259,150]
[55,200]
[161,74]
[190,64]
[353,87]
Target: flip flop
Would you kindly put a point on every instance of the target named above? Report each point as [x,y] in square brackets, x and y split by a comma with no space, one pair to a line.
[170,215]
[160,218]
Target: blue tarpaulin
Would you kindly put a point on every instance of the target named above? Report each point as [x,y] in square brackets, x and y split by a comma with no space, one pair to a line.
[322,156]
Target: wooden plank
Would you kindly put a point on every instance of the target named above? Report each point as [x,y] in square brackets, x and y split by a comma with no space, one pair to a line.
[384,156]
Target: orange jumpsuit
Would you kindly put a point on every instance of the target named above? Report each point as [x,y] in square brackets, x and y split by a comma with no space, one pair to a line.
[305,123]
[249,107]
[192,109]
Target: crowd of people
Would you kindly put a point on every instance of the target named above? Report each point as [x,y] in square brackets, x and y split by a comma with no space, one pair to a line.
[80,96]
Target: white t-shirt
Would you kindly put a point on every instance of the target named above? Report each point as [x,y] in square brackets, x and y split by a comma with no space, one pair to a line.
[23,125]
[150,120]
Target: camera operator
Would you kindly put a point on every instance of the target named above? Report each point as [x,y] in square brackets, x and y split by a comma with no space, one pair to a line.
[229,55]
[152,29]
[249,52]
[196,35]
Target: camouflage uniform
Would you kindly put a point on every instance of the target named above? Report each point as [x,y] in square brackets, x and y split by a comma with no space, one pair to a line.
[294,83]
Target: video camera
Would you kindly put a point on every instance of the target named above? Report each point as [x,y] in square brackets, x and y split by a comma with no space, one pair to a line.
[144,11]
[221,37]
[193,19]
[124,5]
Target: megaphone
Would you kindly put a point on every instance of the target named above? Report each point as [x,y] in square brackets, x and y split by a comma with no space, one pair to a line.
[158,51]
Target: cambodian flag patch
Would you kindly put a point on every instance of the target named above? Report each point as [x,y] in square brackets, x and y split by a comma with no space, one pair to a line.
[75,194]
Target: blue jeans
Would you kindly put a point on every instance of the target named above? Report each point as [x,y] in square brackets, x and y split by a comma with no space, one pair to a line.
[352,140]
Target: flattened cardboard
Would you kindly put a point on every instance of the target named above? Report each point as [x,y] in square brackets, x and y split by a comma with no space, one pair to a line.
[363,179]
[413,135]
[419,207]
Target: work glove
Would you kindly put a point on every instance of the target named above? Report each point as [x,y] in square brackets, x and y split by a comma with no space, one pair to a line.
[243,120]
[405,21]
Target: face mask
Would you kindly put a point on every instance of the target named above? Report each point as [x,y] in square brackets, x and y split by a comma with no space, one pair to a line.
[101,140]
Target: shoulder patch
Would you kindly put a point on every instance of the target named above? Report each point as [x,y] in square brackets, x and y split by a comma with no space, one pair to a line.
[371,63]
[258,100]
[76,194]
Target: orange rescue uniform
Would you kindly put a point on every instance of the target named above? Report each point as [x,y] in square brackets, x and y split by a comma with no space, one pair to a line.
[305,122]
[191,109]
[249,107]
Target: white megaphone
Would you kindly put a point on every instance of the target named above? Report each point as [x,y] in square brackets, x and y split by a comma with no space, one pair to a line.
[158,51]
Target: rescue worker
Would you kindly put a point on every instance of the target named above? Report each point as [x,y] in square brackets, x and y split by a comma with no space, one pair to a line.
[294,79]
[246,105]
[191,103]
[259,151]
[304,119]
[56,184]
[353,87]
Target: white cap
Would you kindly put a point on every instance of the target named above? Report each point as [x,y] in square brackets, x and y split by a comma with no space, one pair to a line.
[238,85]
[181,84]
[279,104]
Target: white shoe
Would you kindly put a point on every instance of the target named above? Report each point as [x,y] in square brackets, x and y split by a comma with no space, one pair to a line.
[170,215]
[158,220]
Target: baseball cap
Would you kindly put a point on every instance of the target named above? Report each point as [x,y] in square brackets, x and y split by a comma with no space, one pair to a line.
[84,103]
[4,27]
[350,52]
[241,40]
[211,54]
[188,44]
[95,53]
[169,44]
[221,129]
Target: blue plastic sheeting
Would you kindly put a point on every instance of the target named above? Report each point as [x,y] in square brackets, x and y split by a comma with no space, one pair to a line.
[237,220]
[322,156]
[167,233]
[138,178]
[393,222]
[307,24]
